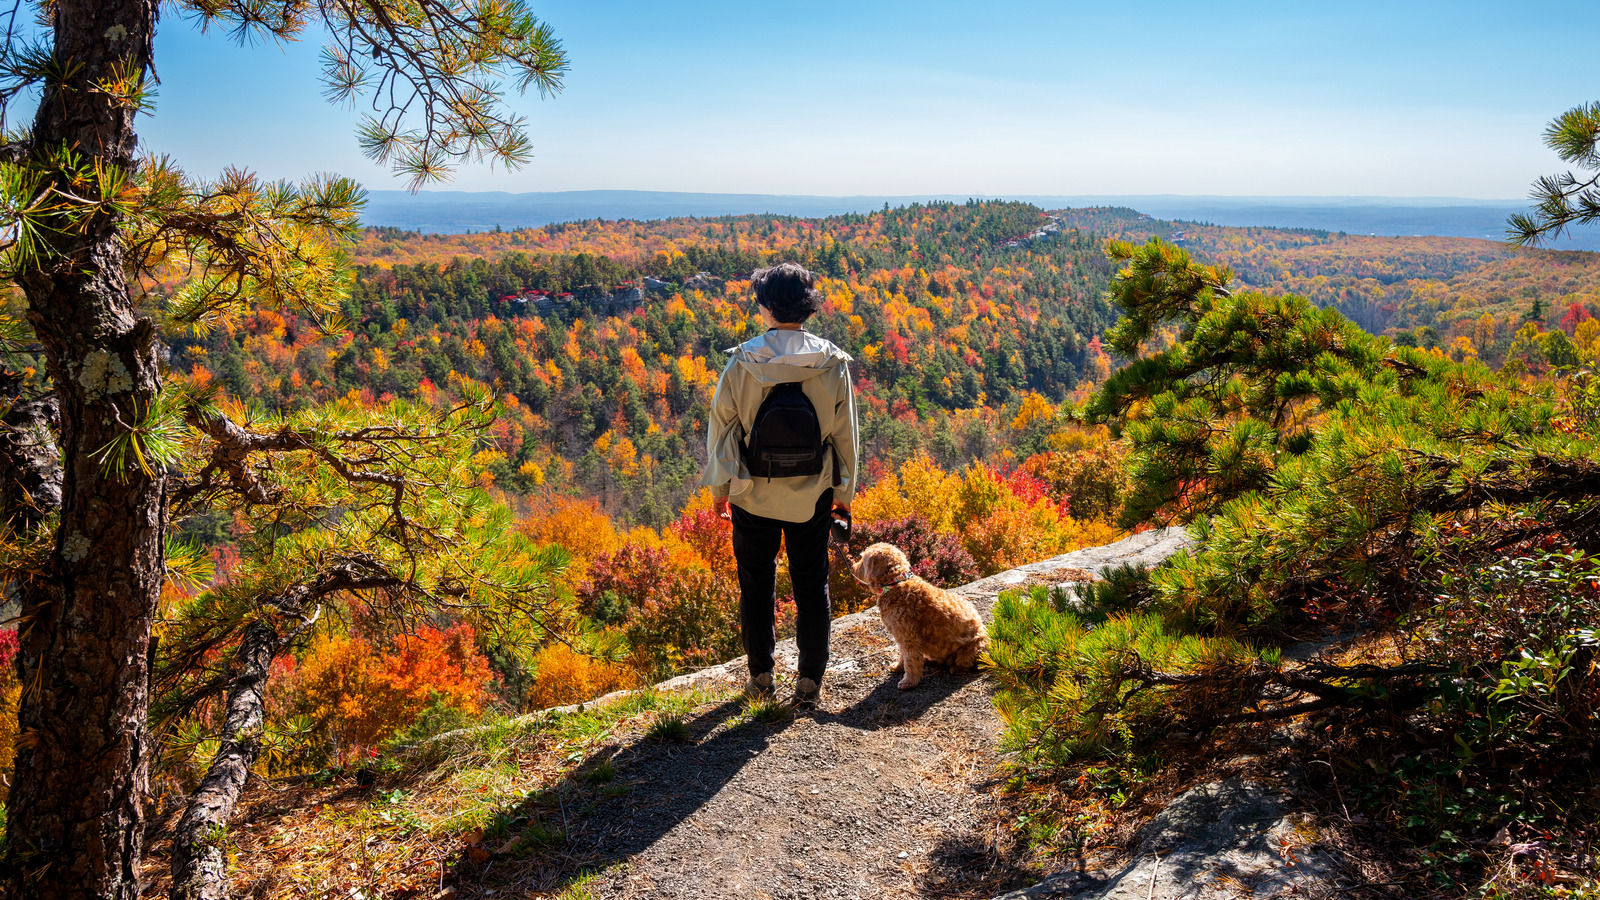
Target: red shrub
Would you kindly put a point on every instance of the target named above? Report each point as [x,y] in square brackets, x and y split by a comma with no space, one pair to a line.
[711,536]
[937,557]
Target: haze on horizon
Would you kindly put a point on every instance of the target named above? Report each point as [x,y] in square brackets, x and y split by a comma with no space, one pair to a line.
[1423,99]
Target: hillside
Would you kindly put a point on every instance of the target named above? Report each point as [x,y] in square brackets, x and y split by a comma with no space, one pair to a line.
[605,339]
[1419,291]
[497,463]
[461,211]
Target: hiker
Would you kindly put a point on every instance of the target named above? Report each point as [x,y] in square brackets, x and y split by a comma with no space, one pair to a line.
[781,449]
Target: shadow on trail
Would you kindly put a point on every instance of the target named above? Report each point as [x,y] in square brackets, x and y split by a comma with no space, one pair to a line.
[888,706]
[622,799]
[616,803]
[973,864]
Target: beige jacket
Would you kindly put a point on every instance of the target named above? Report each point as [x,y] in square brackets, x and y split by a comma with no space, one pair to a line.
[779,356]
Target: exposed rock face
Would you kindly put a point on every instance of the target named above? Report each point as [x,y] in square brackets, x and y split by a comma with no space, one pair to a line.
[1147,548]
[1217,841]
[1228,839]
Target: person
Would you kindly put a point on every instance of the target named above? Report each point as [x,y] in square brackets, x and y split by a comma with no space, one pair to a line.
[798,509]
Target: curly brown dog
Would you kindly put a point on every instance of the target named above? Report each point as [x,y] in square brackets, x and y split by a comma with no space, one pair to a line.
[928,623]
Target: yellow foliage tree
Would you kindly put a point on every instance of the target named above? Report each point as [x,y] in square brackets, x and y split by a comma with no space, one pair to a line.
[579,527]
[1034,408]
[564,676]
[1483,334]
[1587,336]
[919,488]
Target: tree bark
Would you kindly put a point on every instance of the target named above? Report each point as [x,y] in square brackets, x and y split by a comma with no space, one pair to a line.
[199,858]
[30,460]
[75,819]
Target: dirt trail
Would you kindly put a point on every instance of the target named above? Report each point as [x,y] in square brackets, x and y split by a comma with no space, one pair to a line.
[877,793]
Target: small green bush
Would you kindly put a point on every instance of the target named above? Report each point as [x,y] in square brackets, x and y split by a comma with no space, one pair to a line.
[1121,589]
[1521,640]
[1071,687]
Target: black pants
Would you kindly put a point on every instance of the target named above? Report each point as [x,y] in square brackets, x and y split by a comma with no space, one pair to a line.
[755,547]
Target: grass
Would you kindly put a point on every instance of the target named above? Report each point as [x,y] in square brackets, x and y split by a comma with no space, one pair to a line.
[504,778]
[769,711]
[600,773]
[580,888]
[668,727]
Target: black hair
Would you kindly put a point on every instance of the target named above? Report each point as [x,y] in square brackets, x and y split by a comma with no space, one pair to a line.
[788,291]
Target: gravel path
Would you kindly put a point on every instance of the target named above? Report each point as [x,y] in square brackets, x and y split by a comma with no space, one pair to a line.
[877,793]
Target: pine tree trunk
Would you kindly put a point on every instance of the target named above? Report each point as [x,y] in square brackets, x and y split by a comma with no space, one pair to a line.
[199,860]
[30,460]
[75,817]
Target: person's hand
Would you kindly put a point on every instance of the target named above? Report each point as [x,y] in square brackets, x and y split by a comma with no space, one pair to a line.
[842,506]
[720,504]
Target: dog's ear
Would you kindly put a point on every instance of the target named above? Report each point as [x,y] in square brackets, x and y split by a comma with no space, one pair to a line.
[871,565]
[861,567]
[879,562]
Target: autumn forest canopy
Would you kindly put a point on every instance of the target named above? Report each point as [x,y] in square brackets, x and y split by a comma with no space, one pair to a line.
[466,486]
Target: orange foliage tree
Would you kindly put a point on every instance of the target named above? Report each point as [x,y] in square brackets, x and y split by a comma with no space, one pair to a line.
[359,697]
[1002,519]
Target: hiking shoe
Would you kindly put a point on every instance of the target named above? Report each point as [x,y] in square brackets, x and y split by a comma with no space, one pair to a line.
[806,693]
[761,687]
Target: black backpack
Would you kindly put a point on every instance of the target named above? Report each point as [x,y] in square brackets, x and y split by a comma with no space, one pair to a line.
[785,438]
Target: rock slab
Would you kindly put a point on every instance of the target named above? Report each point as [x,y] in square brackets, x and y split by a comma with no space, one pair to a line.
[1230,839]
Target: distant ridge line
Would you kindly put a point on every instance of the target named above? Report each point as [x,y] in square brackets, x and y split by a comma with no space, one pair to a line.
[451,212]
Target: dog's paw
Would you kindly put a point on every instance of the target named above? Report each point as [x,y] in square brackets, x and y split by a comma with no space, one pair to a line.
[907,684]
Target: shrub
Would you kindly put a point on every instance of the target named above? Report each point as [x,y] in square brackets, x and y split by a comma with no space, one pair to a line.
[577,525]
[1002,530]
[936,557]
[359,698]
[920,487]
[711,538]
[438,666]
[1520,638]
[678,612]
[1091,482]
[620,581]
[688,622]
[564,676]
[1068,685]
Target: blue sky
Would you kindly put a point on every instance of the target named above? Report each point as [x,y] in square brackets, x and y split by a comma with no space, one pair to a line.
[926,96]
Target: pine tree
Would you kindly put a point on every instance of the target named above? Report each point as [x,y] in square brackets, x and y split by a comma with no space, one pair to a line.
[1308,460]
[347,512]
[88,223]
[1208,418]
[1568,199]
